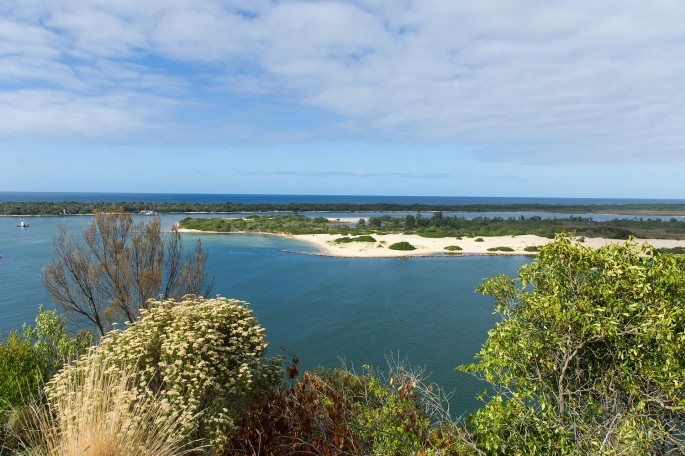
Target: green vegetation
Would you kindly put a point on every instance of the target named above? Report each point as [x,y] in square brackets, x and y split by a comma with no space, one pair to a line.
[338,412]
[440,226]
[590,360]
[346,240]
[401,246]
[479,240]
[453,248]
[29,358]
[675,250]
[290,224]
[500,249]
[72,207]
[532,248]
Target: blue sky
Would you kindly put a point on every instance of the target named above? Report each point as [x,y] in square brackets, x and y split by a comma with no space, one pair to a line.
[386,97]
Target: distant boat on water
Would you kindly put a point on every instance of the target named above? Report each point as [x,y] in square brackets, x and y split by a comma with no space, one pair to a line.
[148,212]
[23,224]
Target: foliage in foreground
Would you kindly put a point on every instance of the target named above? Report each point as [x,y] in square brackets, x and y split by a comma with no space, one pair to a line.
[591,359]
[198,358]
[29,358]
[338,412]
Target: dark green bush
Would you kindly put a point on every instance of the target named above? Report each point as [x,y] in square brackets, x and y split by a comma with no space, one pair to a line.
[453,248]
[404,245]
[675,250]
[479,240]
[532,248]
[500,249]
[364,238]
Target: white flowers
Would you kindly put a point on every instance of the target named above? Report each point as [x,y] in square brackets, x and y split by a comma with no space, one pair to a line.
[197,356]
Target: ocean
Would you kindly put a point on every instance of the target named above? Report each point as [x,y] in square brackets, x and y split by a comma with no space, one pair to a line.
[285,199]
[324,310]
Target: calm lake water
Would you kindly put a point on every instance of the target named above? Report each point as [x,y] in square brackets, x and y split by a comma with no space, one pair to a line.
[321,309]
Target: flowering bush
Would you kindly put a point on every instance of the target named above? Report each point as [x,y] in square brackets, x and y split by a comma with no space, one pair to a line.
[197,356]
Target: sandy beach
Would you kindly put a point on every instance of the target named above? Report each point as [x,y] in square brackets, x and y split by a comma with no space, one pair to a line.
[436,246]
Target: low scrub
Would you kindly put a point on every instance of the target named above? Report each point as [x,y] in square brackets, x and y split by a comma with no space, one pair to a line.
[479,240]
[341,413]
[500,249]
[532,248]
[364,238]
[453,248]
[404,245]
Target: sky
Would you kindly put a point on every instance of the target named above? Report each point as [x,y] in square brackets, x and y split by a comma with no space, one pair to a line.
[368,97]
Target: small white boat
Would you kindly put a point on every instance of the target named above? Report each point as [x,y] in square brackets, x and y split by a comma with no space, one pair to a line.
[23,224]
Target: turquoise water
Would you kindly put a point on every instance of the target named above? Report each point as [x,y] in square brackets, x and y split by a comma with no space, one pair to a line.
[323,309]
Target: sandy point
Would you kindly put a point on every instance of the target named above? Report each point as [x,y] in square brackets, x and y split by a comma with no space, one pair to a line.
[437,246]
[327,246]
[423,246]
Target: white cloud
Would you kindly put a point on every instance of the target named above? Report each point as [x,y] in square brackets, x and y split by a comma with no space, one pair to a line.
[62,114]
[528,80]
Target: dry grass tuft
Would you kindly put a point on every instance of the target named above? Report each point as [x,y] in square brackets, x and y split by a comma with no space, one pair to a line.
[97,418]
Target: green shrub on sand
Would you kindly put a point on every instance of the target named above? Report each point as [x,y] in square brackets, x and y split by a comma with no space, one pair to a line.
[401,246]
[500,249]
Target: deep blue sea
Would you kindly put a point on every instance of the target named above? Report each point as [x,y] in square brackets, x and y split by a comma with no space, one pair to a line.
[285,199]
[322,309]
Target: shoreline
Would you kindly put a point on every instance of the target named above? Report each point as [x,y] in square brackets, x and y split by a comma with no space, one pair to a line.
[351,213]
[434,247]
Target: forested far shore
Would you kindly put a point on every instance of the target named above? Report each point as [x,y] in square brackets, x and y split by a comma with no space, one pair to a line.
[84,208]
[438,225]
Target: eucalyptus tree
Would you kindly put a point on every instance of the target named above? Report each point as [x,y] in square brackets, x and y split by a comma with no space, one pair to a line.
[119,265]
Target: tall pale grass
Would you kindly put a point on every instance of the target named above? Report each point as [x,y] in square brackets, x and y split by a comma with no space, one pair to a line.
[96,417]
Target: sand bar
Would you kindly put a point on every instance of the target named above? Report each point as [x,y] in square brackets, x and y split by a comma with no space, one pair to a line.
[436,246]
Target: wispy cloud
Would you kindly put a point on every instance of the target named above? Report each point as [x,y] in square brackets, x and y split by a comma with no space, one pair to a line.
[551,81]
[363,175]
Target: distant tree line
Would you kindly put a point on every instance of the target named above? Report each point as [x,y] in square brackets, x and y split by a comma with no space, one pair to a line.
[80,208]
[438,226]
